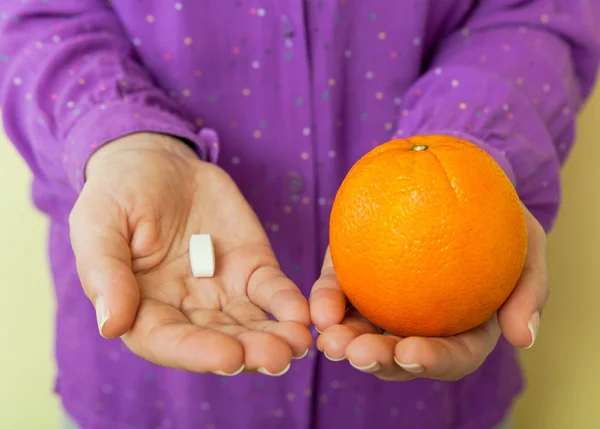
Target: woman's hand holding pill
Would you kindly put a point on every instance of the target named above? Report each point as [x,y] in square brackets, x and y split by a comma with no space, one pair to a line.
[145,196]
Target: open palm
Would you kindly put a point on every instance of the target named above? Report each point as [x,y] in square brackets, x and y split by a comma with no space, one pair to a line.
[143,199]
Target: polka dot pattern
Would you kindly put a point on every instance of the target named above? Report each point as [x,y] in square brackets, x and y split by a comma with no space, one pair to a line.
[272,93]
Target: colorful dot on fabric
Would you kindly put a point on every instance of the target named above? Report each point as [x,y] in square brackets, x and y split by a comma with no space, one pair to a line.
[417,41]
[462,106]
[246,92]
[388,126]
[17,81]
[381,35]
[305,200]
[454,83]
[178,6]
[304,156]
[373,16]
[335,384]
[261,12]
[546,87]
[236,160]
[287,209]
[331,82]
[150,18]
[288,56]
[255,64]
[257,134]
[379,95]
[331,153]
[187,41]
[307,392]
[545,18]
[369,75]
[397,101]
[199,122]
[347,53]
[299,101]
[364,116]
[290,396]
[306,131]
[186,92]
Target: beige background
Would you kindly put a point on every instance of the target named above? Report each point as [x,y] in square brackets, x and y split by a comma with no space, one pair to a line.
[562,368]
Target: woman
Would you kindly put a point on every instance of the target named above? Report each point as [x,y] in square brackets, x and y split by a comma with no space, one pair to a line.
[120,110]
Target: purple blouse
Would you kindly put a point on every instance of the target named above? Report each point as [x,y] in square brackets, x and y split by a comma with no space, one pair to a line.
[285,95]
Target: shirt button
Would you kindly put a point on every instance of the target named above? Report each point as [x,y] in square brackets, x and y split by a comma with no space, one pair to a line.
[294,182]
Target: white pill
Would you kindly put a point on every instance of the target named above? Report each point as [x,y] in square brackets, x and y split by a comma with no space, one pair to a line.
[202,255]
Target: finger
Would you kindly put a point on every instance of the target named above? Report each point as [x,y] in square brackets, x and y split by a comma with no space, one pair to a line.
[519,316]
[374,354]
[334,340]
[295,335]
[327,301]
[162,335]
[99,237]
[265,353]
[273,292]
[448,358]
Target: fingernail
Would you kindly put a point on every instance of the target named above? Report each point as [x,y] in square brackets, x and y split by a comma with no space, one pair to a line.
[102,312]
[317,329]
[374,367]
[264,371]
[534,326]
[230,374]
[333,359]
[303,355]
[413,368]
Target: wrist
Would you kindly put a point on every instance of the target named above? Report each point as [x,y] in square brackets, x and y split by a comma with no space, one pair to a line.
[143,141]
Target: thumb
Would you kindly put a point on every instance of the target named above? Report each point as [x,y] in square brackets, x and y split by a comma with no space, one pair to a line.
[99,237]
[519,316]
[327,301]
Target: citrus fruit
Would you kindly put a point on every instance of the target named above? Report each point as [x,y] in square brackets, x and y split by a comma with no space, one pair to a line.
[427,236]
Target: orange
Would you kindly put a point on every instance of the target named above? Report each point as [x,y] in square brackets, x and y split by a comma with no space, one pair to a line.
[427,236]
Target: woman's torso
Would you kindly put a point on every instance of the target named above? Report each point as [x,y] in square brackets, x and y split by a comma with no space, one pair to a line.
[297,91]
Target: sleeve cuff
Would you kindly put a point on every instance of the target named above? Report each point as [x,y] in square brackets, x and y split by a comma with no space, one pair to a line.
[110,121]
